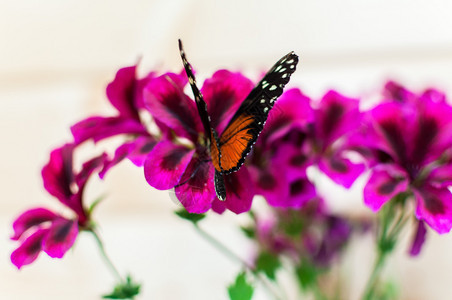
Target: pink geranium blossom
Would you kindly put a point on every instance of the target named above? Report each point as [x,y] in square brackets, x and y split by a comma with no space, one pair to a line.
[298,135]
[181,160]
[125,94]
[337,119]
[278,162]
[411,137]
[310,233]
[40,229]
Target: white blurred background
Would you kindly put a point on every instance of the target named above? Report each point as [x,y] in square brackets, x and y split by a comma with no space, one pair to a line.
[56,58]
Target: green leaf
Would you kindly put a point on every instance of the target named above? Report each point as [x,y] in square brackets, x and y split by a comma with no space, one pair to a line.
[306,274]
[268,263]
[387,245]
[387,291]
[249,231]
[124,290]
[293,225]
[194,218]
[240,289]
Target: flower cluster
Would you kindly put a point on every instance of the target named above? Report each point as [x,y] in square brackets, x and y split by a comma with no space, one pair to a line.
[403,144]
[310,236]
[181,160]
[407,140]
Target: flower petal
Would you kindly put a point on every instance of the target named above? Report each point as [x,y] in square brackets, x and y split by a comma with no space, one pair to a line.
[390,123]
[223,93]
[75,202]
[58,174]
[435,95]
[337,234]
[293,159]
[165,164]
[301,191]
[120,153]
[141,148]
[88,168]
[31,218]
[196,189]
[60,238]
[270,183]
[165,99]
[136,151]
[396,92]
[218,206]
[29,250]
[383,185]
[418,239]
[121,92]
[433,133]
[99,128]
[434,206]
[441,176]
[336,116]
[239,191]
[341,170]
[292,110]
[125,92]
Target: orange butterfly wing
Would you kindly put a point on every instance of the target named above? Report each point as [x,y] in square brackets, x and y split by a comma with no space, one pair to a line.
[227,151]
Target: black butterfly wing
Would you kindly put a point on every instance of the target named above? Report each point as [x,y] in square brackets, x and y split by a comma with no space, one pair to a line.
[200,103]
[237,139]
[210,133]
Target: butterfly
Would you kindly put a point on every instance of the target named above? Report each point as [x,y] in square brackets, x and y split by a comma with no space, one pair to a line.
[229,150]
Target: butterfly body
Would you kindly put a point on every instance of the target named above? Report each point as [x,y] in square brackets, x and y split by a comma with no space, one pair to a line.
[229,150]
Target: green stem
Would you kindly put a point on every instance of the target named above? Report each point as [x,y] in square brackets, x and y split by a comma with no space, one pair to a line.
[387,239]
[106,258]
[220,246]
[373,279]
[318,295]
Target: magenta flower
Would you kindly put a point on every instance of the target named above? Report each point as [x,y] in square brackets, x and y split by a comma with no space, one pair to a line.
[411,141]
[181,160]
[298,136]
[337,119]
[278,162]
[125,93]
[336,233]
[271,239]
[40,229]
[310,233]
